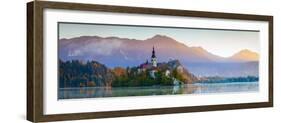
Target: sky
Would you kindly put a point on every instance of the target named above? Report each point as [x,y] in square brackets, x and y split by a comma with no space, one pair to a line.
[223,43]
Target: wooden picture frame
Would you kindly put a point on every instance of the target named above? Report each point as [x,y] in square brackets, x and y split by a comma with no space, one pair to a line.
[35,60]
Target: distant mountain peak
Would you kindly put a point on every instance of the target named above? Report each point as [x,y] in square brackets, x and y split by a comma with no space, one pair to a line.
[245,55]
[246,51]
[159,37]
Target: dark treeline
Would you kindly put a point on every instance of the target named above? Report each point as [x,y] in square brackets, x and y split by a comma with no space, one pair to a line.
[78,74]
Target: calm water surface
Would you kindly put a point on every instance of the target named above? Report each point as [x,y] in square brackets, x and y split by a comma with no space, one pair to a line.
[198,88]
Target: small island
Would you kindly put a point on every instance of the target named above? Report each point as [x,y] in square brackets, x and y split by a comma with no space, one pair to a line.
[92,73]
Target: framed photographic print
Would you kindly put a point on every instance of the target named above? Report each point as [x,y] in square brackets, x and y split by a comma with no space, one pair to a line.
[96,61]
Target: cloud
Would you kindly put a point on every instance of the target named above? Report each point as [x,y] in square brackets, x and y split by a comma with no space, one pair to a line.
[102,47]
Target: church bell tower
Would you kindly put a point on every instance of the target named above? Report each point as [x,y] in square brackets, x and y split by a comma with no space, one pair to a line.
[153,58]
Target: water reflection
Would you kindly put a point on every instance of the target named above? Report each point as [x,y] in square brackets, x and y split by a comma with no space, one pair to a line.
[95,92]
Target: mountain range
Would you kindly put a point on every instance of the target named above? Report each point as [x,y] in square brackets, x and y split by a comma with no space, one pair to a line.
[115,51]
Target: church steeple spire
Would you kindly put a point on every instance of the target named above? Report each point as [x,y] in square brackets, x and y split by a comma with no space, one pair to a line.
[153,58]
[153,53]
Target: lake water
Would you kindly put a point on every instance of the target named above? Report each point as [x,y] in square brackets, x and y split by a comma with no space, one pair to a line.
[197,88]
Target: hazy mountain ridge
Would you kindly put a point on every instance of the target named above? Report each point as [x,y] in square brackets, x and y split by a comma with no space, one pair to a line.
[245,55]
[131,52]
